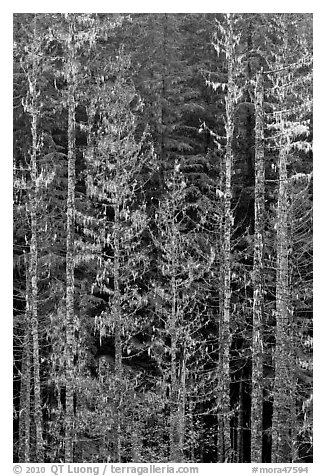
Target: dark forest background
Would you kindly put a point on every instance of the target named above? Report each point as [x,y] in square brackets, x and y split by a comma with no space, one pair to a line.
[162,237]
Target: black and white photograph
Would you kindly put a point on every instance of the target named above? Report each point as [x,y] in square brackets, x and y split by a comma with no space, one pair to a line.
[163,238]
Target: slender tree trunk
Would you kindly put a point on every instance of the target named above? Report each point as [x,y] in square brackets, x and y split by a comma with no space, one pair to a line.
[174,436]
[176,451]
[258,303]
[220,418]
[281,447]
[25,401]
[117,332]
[182,407]
[240,422]
[70,285]
[25,386]
[192,431]
[34,312]
[250,122]
[220,253]
[34,258]
[292,363]
[228,222]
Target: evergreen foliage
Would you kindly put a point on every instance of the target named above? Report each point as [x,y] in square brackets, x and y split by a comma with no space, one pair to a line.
[162,237]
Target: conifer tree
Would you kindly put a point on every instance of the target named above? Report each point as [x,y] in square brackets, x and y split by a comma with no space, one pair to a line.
[70,310]
[226,41]
[182,264]
[32,107]
[258,269]
[25,386]
[115,223]
[292,98]
[282,402]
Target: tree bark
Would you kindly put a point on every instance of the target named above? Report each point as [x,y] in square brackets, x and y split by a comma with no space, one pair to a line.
[220,253]
[25,401]
[258,269]
[25,385]
[292,340]
[174,407]
[34,254]
[182,406]
[281,447]
[191,430]
[70,285]
[228,222]
[117,330]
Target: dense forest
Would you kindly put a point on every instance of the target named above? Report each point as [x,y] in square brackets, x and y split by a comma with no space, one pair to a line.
[162,238]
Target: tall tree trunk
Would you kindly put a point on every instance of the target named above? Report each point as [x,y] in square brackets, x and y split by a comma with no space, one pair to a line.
[258,269]
[33,256]
[25,401]
[71,77]
[174,433]
[34,311]
[117,332]
[240,421]
[292,363]
[228,222]
[176,450]
[25,385]
[220,253]
[182,407]
[281,447]
[292,339]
